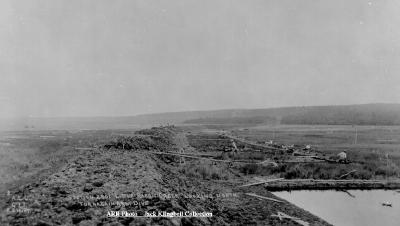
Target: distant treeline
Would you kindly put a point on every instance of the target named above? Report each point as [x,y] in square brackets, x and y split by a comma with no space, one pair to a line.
[347,115]
[233,120]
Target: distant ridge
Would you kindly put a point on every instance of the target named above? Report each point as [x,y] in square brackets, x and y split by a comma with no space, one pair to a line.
[362,114]
[366,114]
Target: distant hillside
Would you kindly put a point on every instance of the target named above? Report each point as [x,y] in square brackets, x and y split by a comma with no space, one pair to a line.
[368,114]
[365,114]
[234,120]
[188,116]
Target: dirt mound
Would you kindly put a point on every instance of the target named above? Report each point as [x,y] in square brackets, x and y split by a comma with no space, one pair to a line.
[131,143]
[156,138]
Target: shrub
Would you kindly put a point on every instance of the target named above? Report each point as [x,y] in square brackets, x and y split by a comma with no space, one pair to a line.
[250,168]
[294,172]
[206,171]
[363,174]
[249,156]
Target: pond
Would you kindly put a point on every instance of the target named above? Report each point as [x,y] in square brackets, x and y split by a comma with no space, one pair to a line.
[341,208]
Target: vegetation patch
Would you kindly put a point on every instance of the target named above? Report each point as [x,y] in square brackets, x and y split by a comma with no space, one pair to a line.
[206,171]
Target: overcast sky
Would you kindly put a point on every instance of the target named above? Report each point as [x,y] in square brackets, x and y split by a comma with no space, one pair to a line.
[101,57]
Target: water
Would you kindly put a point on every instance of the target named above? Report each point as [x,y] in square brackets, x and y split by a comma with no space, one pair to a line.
[339,208]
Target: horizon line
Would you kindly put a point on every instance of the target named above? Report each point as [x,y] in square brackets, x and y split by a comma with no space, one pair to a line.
[187,111]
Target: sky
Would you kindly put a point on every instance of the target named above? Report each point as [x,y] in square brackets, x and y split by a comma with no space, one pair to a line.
[111,58]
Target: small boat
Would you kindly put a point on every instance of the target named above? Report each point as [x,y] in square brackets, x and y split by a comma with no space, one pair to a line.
[387,204]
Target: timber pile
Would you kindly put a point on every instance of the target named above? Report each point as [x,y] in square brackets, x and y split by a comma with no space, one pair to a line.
[301,157]
[253,144]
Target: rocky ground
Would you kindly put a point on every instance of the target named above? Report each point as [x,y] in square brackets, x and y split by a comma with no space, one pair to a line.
[126,175]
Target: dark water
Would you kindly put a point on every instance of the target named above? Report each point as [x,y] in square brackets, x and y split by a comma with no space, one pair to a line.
[339,208]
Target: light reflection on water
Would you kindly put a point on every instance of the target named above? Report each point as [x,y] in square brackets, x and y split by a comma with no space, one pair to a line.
[339,208]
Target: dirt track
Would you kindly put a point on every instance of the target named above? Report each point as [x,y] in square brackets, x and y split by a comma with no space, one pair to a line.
[64,197]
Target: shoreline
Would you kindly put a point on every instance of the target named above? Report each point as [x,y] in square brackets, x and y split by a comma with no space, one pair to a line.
[310,184]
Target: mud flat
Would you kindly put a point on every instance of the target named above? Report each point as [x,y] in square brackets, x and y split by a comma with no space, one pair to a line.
[310,184]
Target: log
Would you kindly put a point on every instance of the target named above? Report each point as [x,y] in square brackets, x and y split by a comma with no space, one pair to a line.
[347,192]
[262,197]
[282,215]
[346,174]
[261,182]
[269,162]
